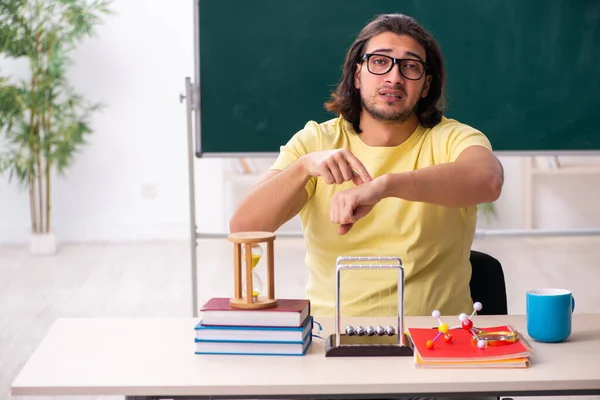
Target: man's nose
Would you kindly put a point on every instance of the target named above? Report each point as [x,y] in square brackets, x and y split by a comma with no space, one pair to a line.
[394,76]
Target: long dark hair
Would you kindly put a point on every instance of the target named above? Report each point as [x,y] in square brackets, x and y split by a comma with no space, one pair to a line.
[345,100]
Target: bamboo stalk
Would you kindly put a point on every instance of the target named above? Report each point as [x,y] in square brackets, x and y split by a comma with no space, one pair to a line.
[34,218]
[47,124]
[48,162]
[39,175]
[32,149]
[47,196]
[39,126]
[32,204]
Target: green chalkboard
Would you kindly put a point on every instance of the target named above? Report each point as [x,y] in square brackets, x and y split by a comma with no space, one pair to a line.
[526,73]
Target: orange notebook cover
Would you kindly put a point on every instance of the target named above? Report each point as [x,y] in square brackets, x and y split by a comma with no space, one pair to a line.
[510,363]
[463,348]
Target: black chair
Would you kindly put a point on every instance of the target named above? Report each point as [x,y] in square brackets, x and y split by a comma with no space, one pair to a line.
[487,284]
[488,287]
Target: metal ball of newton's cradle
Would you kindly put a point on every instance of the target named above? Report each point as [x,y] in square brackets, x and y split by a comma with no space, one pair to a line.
[370,331]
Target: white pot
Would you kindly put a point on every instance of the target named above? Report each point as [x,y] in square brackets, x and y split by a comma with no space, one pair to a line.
[42,243]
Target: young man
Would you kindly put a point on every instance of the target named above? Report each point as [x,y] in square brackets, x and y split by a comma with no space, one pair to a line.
[390,176]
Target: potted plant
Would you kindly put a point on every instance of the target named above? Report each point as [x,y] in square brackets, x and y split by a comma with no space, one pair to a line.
[488,212]
[43,121]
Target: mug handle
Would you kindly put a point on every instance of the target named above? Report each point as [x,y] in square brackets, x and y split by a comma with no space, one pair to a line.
[573,303]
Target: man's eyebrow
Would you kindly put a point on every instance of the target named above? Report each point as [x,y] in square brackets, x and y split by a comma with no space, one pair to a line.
[408,53]
[381,51]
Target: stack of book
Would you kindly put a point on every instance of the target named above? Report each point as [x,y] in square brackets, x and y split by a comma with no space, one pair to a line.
[282,330]
[462,351]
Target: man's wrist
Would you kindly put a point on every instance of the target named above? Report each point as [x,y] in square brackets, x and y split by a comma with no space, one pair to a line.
[383,183]
[302,167]
[392,184]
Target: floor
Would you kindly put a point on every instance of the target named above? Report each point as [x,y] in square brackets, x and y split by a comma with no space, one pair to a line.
[153,280]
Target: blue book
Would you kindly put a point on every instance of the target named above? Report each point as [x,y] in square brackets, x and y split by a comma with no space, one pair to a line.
[262,348]
[229,333]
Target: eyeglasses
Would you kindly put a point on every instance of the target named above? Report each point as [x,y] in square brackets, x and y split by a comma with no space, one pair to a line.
[379,64]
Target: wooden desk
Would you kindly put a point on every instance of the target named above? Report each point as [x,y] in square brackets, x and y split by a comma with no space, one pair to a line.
[155,357]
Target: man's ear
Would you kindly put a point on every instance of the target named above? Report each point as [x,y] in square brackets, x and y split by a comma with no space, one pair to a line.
[426,86]
[357,76]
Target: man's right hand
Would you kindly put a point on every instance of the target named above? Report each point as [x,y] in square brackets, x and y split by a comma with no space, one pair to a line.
[336,166]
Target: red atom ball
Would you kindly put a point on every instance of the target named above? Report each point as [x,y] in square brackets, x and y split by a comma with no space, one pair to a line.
[467,324]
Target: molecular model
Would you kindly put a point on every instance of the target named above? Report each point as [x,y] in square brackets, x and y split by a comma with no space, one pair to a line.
[370,331]
[466,323]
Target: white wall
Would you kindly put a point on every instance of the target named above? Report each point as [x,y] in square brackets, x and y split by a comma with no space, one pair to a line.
[130,182]
[567,197]
[509,205]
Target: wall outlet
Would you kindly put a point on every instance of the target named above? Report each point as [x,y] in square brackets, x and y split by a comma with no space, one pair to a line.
[149,191]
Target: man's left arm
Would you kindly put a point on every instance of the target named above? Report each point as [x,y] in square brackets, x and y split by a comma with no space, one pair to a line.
[476,176]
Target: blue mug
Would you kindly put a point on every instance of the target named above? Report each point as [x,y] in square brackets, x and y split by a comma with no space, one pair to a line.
[549,314]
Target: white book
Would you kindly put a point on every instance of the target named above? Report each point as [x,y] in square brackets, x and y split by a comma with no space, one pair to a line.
[253,333]
[253,348]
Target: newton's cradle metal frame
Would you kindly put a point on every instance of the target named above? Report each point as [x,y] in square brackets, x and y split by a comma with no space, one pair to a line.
[350,345]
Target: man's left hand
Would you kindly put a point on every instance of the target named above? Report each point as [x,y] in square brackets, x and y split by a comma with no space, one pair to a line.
[350,205]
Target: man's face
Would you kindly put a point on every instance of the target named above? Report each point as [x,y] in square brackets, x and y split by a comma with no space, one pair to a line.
[391,97]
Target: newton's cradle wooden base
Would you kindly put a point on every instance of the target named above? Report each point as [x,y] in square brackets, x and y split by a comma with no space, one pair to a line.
[368,346]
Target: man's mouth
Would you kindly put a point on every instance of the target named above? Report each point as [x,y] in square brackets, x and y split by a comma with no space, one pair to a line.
[392,94]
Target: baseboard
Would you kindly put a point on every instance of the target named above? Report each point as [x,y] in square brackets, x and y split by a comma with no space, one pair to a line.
[102,233]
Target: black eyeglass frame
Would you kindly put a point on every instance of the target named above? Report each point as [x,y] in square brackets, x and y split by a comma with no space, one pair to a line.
[395,61]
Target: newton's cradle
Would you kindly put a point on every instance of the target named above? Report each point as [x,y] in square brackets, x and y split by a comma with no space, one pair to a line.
[370,341]
[354,341]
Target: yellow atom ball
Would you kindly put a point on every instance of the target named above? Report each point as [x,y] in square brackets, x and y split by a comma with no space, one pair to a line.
[443,328]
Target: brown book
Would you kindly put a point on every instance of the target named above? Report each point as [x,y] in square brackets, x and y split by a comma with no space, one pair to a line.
[287,313]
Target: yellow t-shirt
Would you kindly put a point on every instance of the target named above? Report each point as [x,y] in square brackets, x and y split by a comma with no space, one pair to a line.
[432,241]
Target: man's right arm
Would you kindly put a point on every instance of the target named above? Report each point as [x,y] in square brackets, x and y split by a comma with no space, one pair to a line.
[278,197]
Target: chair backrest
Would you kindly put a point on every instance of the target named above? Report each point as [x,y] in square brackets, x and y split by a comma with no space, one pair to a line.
[487,284]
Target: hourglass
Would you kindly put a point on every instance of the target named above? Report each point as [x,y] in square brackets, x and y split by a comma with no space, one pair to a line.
[248,287]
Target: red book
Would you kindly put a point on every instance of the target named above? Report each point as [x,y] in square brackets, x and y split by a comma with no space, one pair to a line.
[287,313]
[463,348]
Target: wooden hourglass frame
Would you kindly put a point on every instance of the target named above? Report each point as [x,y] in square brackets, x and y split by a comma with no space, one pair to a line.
[247,239]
